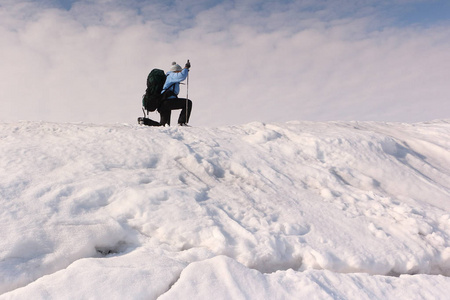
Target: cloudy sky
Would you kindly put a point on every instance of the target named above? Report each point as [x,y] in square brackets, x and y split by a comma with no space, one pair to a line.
[268,61]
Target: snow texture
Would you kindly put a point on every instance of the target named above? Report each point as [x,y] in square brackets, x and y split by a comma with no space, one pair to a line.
[295,210]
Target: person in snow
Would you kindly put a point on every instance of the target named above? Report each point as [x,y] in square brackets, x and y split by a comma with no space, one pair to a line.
[171,101]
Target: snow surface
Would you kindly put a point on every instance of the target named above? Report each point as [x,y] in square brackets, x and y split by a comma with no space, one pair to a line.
[299,210]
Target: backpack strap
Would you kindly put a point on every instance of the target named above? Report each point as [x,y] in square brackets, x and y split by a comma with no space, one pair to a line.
[168,92]
[172,86]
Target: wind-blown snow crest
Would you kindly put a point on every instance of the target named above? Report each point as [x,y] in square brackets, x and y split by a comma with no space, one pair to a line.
[291,210]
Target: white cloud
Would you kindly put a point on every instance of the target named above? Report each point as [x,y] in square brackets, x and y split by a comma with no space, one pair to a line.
[271,62]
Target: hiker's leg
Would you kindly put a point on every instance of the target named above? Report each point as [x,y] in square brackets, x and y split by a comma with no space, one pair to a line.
[165,117]
[171,104]
[165,112]
[182,118]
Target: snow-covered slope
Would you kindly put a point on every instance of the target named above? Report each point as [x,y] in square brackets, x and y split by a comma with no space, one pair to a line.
[260,211]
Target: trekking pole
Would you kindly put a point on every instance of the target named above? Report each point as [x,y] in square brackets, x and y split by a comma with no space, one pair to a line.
[187,95]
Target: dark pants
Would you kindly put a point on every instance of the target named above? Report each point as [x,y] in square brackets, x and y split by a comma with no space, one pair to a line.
[177,103]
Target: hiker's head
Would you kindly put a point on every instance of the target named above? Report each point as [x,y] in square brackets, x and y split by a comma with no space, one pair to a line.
[175,67]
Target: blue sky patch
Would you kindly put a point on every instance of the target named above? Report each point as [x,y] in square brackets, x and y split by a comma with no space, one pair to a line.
[425,13]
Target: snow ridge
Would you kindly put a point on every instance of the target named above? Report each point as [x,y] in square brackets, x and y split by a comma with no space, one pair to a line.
[258,210]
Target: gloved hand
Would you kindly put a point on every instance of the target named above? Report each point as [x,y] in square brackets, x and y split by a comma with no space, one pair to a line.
[188,65]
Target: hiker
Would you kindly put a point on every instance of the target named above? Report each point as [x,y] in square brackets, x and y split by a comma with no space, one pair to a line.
[171,101]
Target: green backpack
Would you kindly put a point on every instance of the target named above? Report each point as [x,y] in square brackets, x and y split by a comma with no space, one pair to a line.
[155,83]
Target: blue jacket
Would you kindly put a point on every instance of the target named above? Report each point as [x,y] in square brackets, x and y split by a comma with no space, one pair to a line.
[174,79]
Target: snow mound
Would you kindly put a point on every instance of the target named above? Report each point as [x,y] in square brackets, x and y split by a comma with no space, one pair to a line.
[301,208]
